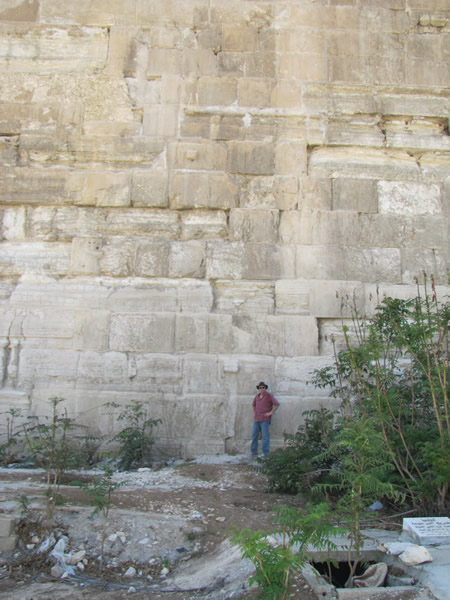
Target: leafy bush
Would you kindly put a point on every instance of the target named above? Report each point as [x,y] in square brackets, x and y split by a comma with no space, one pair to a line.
[296,467]
[135,440]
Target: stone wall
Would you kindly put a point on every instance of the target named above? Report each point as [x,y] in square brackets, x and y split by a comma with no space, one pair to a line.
[192,190]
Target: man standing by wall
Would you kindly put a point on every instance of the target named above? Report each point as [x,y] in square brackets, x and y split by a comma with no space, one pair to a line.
[264,405]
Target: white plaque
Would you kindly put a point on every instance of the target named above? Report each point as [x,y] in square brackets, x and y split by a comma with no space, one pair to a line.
[428,530]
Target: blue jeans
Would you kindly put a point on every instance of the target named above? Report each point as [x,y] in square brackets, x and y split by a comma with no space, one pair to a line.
[263,427]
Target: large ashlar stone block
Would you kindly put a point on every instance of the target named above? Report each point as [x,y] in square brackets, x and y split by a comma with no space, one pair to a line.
[161,120]
[400,231]
[355,131]
[104,12]
[258,335]
[9,150]
[270,192]
[407,104]
[254,92]
[286,94]
[152,258]
[293,375]
[363,163]
[193,156]
[291,158]
[199,61]
[292,297]
[13,224]
[157,223]
[217,91]
[202,190]
[91,330]
[332,336]
[245,372]
[187,259]
[301,336]
[355,194]
[308,66]
[225,260]
[418,264]
[335,299]
[104,188]
[191,333]
[164,60]
[315,193]
[17,259]
[32,186]
[251,158]
[140,297]
[244,297]
[320,228]
[46,364]
[159,372]
[48,324]
[268,261]
[118,258]
[142,333]
[408,198]
[365,264]
[85,256]
[220,334]
[107,369]
[52,49]
[204,224]
[149,189]
[239,39]
[251,225]
[200,374]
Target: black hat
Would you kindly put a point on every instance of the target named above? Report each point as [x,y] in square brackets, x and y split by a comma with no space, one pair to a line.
[262,384]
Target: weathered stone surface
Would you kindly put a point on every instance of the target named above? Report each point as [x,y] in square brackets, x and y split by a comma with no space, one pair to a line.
[196,194]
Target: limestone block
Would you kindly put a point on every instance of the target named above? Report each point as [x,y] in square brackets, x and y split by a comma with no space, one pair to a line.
[355,131]
[366,264]
[189,190]
[118,258]
[435,166]
[108,189]
[320,227]
[91,330]
[194,296]
[153,332]
[446,196]
[14,11]
[300,40]
[268,261]
[107,369]
[176,14]
[104,12]
[403,231]
[334,299]
[199,62]
[123,50]
[426,72]
[315,193]
[160,120]
[149,189]
[198,156]
[285,94]
[258,335]
[37,363]
[13,224]
[220,335]
[261,64]
[52,49]
[292,297]
[355,194]
[406,104]
[376,293]
[17,259]
[203,224]
[157,223]
[251,225]
[293,375]
[251,158]
[223,191]
[191,333]
[305,67]
[251,369]
[418,262]
[269,192]
[140,298]
[163,60]
[152,258]
[31,186]
[200,374]
[217,91]
[240,38]
[407,198]
[243,297]
[187,259]
[231,64]
[363,163]
[301,336]
[48,323]
[254,92]
[291,159]
[9,150]
[224,260]
[159,372]
[415,142]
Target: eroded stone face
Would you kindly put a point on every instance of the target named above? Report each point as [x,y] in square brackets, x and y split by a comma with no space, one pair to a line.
[194,194]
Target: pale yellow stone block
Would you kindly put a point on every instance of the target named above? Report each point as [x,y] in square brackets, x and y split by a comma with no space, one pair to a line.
[343,43]
[199,62]
[301,40]
[85,256]
[152,258]
[301,336]
[217,91]
[252,158]
[191,333]
[292,297]
[261,64]
[225,260]
[291,158]
[158,223]
[189,190]
[103,12]
[149,189]
[268,261]
[355,194]
[164,61]
[210,156]
[142,333]
[239,39]
[106,188]
[309,67]
[254,92]
[251,225]
[244,297]
[286,94]
[224,192]
[187,259]
[204,224]
[160,120]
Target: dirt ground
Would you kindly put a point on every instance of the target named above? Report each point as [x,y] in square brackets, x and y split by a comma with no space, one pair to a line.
[171,524]
[178,518]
